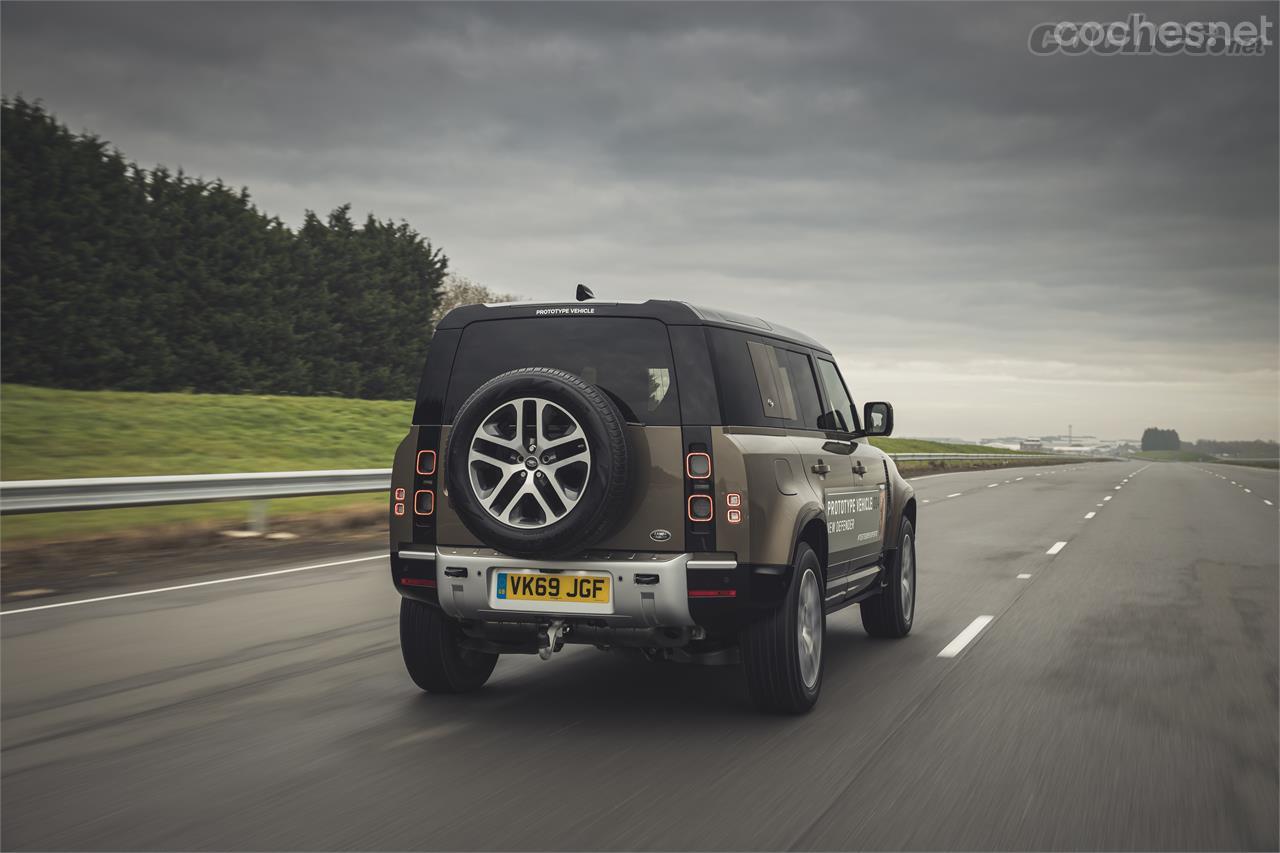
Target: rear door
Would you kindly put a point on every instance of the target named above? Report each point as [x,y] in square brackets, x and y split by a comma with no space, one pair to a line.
[789,392]
[856,499]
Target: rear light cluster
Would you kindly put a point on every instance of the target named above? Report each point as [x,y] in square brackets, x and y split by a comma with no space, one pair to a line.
[699,490]
[424,500]
[701,503]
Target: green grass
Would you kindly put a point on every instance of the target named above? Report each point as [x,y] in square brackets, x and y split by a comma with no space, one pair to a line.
[50,434]
[1250,463]
[1173,456]
[919,445]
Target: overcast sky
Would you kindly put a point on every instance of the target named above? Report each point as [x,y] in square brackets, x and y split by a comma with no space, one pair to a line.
[997,243]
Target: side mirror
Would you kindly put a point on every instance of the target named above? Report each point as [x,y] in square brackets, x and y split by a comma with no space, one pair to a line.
[877,419]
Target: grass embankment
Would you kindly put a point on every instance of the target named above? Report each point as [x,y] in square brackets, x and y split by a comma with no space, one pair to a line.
[1174,456]
[50,434]
[1273,464]
[977,451]
[1196,456]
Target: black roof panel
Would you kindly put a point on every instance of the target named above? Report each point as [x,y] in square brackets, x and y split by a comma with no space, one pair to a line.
[668,311]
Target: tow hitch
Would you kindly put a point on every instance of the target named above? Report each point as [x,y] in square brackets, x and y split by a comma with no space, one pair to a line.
[551,639]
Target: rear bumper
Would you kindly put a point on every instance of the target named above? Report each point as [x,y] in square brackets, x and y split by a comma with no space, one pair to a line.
[649,590]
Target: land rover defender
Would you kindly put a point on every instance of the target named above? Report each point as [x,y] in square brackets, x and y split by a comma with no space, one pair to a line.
[685,483]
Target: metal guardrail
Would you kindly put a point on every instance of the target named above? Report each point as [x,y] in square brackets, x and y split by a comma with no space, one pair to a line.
[26,496]
[30,496]
[970,457]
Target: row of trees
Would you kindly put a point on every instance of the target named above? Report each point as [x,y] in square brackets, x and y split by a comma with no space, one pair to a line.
[119,277]
[1255,449]
[1154,438]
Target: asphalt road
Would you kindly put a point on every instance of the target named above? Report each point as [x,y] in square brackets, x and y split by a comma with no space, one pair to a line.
[1123,695]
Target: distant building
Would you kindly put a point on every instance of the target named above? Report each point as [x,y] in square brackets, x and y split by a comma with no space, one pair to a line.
[1031,444]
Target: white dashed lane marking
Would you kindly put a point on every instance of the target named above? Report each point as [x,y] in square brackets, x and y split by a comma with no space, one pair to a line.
[955,494]
[254,576]
[1024,576]
[1057,546]
[1108,497]
[1090,514]
[965,637]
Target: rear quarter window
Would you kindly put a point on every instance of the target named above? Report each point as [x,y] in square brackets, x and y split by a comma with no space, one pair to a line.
[764,382]
[628,358]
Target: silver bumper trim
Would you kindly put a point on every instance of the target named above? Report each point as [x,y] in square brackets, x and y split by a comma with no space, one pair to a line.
[419,555]
[648,590]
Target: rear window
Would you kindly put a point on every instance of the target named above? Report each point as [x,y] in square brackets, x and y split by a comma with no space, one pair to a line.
[627,358]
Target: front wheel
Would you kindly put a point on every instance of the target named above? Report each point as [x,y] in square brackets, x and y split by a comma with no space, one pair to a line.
[891,613]
[782,653]
[431,643]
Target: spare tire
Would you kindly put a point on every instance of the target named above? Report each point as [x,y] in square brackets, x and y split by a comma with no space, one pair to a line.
[537,463]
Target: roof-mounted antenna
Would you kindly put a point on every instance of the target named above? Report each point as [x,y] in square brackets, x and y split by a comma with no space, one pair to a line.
[584,293]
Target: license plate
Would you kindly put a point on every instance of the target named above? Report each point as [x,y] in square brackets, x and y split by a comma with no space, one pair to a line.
[570,589]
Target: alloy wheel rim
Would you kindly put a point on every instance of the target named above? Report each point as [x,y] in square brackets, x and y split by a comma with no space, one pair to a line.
[528,463]
[908,579]
[809,628]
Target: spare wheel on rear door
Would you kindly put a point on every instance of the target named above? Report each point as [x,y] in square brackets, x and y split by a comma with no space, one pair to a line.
[538,464]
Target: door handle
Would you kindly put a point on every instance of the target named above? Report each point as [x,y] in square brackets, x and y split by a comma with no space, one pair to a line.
[858,469]
[820,467]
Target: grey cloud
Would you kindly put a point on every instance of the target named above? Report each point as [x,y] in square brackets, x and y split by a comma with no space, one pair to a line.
[949,196]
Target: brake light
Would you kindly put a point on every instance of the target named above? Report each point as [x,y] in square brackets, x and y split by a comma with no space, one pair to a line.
[427,582]
[713,593]
[697,466]
[426,462]
[424,502]
[701,508]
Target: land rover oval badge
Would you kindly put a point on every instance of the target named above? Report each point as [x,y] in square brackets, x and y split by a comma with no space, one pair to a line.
[660,535]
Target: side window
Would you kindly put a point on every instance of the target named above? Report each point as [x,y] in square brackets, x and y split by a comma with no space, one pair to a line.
[776,394]
[800,371]
[840,418]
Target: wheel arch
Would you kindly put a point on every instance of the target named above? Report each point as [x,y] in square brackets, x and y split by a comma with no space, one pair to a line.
[813,532]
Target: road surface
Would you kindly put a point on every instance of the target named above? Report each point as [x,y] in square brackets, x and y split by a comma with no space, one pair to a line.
[1122,694]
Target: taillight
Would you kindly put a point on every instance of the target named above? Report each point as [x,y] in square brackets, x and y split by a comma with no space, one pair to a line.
[701,508]
[424,502]
[426,462]
[697,466]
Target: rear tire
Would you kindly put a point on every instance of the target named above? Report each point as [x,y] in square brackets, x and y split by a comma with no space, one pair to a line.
[431,643]
[891,613]
[782,653]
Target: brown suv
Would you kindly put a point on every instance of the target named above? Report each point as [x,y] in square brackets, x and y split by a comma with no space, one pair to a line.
[689,483]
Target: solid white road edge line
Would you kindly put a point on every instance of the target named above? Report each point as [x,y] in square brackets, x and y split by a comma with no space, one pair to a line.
[379,556]
[965,637]
[1057,546]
